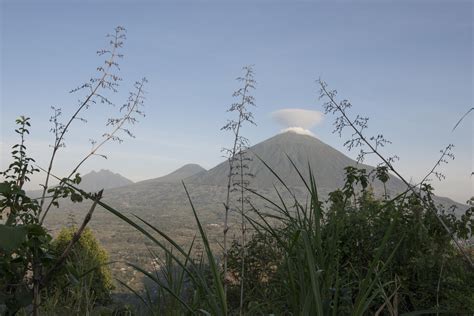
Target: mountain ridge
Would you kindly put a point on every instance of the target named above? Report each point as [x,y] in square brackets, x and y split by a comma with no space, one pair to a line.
[103,179]
[165,195]
[177,175]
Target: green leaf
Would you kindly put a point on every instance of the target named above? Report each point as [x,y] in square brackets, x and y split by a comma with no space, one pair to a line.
[314,273]
[36,230]
[4,188]
[11,237]
[23,296]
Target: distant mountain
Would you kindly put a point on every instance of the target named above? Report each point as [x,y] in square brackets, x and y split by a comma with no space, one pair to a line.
[208,188]
[182,173]
[103,179]
[326,163]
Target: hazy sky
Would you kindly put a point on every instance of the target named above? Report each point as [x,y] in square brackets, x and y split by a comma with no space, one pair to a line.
[408,65]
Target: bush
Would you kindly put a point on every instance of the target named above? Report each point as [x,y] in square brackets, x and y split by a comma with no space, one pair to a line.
[417,266]
[86,277]
[262,258]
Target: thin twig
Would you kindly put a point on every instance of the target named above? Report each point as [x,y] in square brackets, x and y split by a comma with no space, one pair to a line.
[462,118]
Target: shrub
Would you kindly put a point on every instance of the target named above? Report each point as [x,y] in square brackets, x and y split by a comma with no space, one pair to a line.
[417,262]
[262,256]
[86,273]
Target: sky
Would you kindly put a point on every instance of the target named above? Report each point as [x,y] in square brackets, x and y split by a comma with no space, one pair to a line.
[407,65]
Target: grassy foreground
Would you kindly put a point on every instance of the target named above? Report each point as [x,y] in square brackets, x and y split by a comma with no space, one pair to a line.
[353,255]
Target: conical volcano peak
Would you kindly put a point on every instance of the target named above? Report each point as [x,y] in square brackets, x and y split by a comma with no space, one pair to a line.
[290,136]
[327,163]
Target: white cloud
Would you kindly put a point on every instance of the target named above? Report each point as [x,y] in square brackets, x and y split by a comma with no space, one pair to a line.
[298,130]
[297,118]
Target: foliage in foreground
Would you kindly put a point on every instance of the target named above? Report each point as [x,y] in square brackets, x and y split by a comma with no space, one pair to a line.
[355,255]
[425,272]
[25,245]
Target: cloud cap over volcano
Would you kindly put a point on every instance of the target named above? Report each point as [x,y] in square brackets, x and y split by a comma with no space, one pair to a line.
[297,120]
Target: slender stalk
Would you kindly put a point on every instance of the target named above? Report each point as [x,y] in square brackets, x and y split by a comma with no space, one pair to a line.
[227,203]
[100,83]
[235,127]
[462,118]
[243,228]
[118,127]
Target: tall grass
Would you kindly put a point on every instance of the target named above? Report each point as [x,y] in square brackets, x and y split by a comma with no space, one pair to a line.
[310,263]
[310,272]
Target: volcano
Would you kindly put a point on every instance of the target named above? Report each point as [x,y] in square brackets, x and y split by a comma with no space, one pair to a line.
[327,165]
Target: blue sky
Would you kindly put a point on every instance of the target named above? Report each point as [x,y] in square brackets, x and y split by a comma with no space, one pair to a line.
[408,65]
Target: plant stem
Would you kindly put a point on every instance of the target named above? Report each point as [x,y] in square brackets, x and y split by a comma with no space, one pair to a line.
[242,214]
[110,62]
[227,206]
[242,118]
[108,138]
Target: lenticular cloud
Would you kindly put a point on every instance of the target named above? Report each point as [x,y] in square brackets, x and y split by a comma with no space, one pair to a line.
[298,130]
[297,120]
